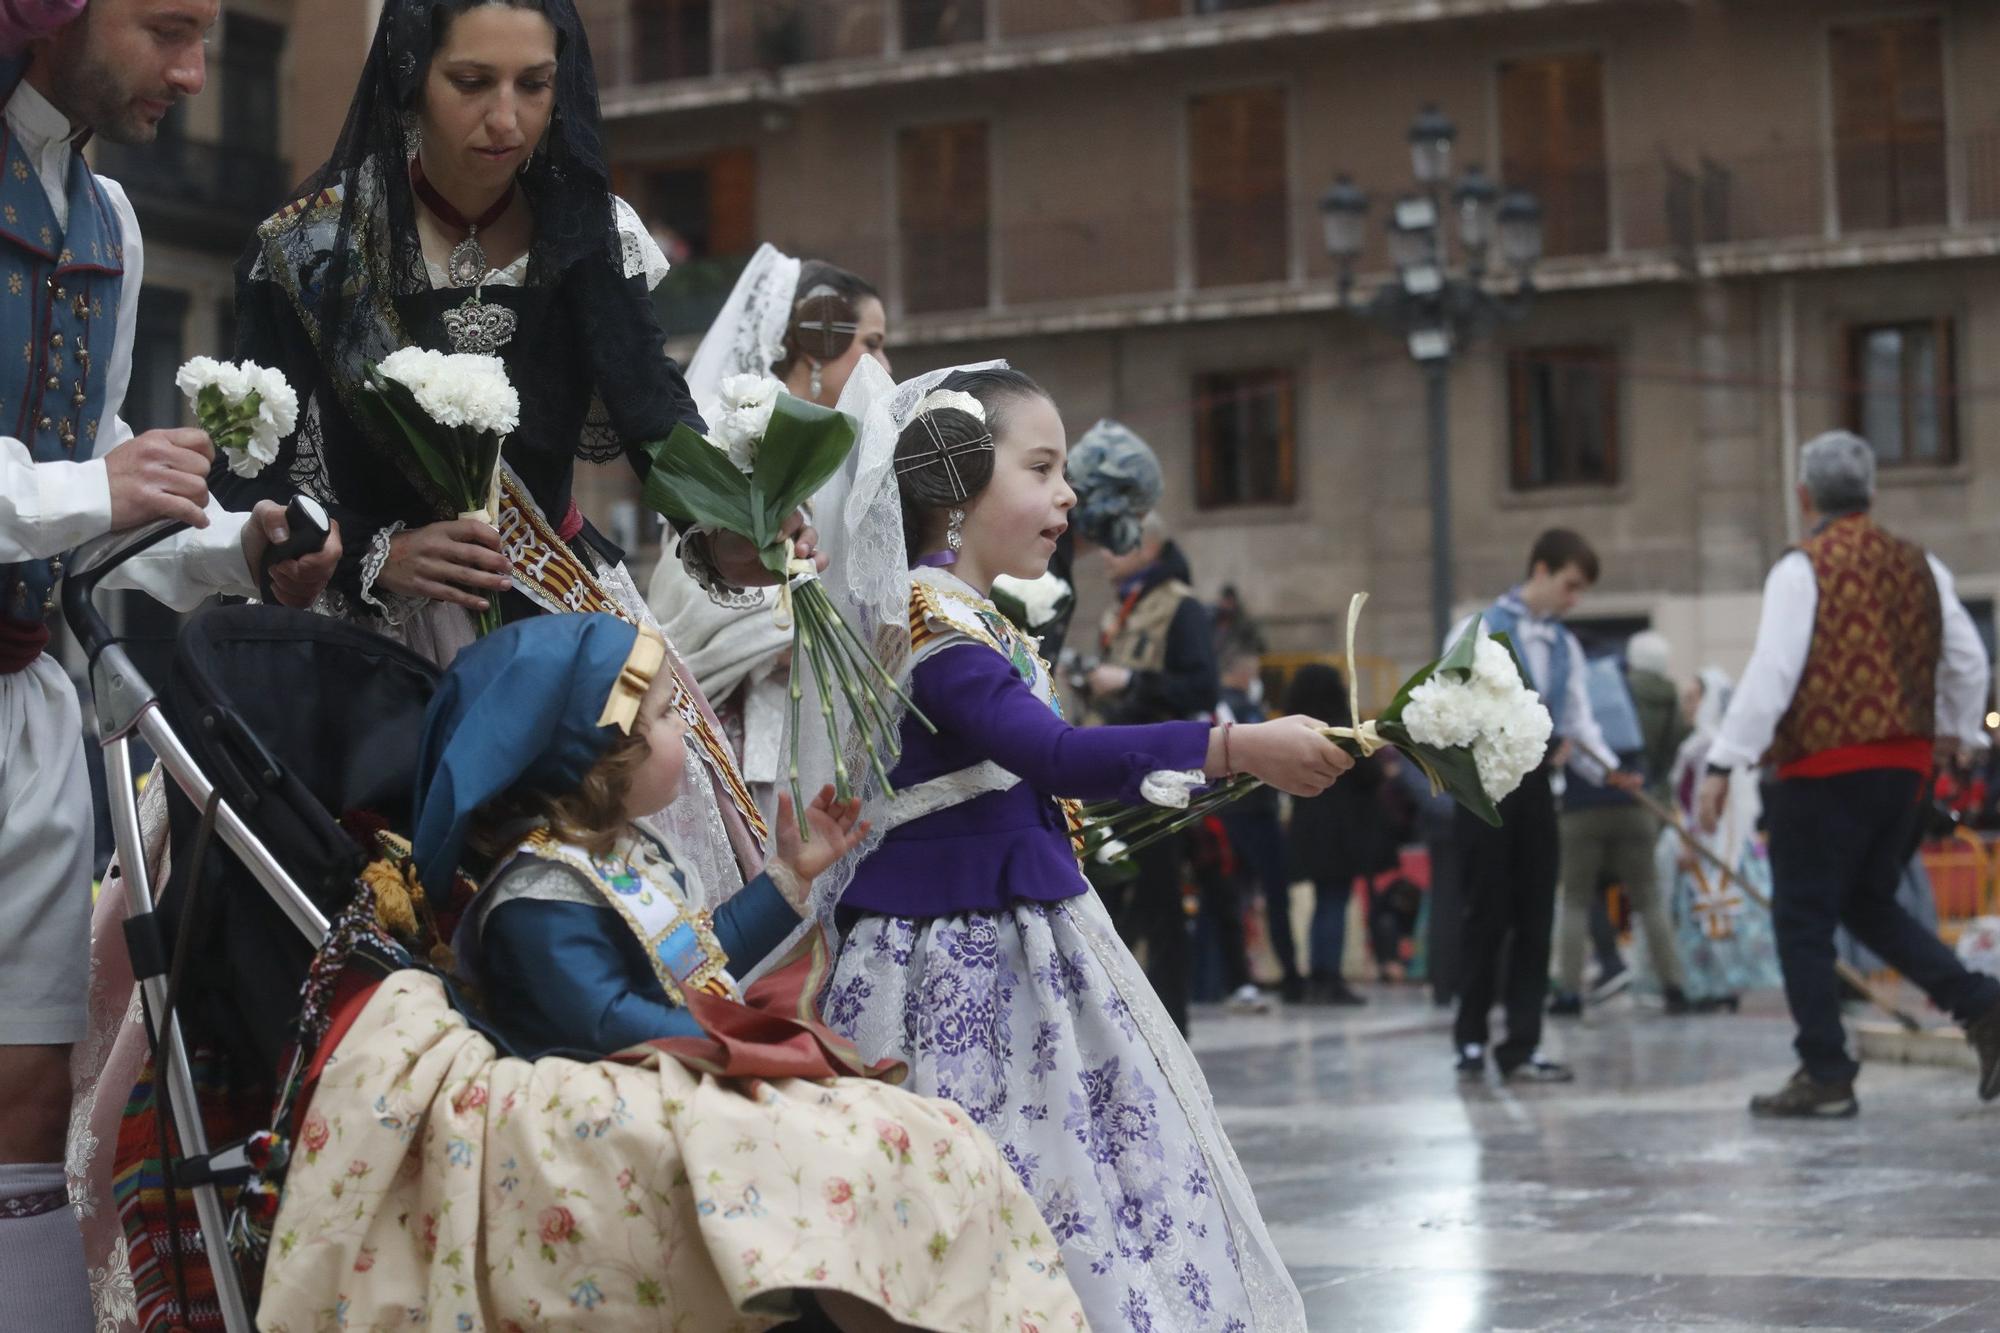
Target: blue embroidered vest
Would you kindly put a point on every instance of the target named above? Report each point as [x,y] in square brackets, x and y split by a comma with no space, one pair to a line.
[59,304]
[1504,617]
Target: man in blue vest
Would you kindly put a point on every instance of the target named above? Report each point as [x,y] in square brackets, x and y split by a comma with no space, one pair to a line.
[1509,873]
[70,271]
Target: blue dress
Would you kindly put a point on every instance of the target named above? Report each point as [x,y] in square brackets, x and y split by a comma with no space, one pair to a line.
[562,970]
[978,955]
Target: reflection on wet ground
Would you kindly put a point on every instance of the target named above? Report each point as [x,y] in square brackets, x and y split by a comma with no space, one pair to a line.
[1641,1197]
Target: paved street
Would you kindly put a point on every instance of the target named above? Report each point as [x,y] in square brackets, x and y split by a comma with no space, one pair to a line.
[1643,1197]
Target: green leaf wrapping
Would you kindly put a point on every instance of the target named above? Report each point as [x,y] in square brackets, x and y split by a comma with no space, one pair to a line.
[451,467]
[692,482]
[804,445]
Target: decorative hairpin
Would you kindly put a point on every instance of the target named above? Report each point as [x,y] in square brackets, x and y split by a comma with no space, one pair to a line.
[941,452]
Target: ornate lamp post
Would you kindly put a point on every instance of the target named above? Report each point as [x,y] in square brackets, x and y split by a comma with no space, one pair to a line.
[1434,309]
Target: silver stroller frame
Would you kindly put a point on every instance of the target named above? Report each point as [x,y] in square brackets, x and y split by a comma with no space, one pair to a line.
[127,707]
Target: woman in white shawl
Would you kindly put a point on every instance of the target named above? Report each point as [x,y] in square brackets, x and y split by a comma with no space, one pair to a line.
[807,324]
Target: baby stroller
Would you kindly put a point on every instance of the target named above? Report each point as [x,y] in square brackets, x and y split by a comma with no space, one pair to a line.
[271,721]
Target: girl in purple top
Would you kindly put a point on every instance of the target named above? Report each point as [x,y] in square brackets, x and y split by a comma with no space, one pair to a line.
[973,948]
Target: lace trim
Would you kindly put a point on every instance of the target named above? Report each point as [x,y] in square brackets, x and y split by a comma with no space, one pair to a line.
[308,469]
[927,798]
[1171,787]
[698,558]
[640,253]
[397,608]
[795,890]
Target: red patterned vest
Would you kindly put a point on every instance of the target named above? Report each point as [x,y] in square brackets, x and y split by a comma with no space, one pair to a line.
[1868,695]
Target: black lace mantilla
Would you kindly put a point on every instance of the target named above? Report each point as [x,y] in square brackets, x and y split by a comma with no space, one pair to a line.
[337,280]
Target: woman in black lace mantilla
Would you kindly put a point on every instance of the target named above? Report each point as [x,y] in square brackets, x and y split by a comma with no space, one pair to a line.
[466,207]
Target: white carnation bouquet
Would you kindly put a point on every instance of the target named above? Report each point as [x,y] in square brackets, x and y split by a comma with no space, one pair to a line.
[247,409]
[456,411]
[1469,721]
[766,456]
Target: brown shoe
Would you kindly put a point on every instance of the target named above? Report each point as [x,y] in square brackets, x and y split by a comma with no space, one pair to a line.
[1806,1098]
[1984,1034]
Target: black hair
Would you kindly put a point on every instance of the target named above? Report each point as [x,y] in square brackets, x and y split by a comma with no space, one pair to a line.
[825,314]
[1318,690]
[1559,548]
[924,479]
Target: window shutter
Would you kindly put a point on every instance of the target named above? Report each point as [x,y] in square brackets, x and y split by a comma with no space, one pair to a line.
[942,193]
[1238,186]
[1552,142]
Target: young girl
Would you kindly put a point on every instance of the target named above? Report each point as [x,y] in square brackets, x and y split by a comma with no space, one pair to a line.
[972,948]
[730,1159]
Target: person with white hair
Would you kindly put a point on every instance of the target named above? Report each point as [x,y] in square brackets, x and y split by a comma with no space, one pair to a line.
[1865,662]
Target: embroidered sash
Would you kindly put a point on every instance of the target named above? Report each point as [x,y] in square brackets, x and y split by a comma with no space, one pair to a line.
[645,891]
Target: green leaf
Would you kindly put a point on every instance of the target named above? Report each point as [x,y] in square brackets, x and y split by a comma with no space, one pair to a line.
[1457,659]
[803,446]
[1454,770]
[692,481]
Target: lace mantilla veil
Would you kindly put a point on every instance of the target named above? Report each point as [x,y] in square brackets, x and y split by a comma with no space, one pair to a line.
[748,336]
[861,529]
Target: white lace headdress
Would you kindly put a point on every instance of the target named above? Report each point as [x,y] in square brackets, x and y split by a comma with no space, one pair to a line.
[748,337]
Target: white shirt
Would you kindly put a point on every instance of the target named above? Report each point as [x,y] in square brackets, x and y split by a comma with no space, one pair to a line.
[1537,637]
[47,508]
[1784,636]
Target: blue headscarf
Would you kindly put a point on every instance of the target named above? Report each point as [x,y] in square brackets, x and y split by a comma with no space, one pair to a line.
[1117,482]
[530,705]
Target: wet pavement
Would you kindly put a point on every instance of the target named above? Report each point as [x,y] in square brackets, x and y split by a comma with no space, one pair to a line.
[1642,1197]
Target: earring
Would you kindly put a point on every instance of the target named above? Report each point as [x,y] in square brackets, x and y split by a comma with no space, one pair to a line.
[413,135]
[953,536]
[817,384]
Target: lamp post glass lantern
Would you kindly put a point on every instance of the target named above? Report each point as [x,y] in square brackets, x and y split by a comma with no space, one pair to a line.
[1434,310]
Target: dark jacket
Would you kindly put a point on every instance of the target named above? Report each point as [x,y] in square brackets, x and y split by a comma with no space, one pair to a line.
[1188,685]
[1346,830]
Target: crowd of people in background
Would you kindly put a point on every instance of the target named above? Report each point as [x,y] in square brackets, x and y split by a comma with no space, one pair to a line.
[1649,815]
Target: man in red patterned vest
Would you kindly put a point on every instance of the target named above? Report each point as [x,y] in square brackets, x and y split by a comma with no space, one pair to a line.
[1865,664]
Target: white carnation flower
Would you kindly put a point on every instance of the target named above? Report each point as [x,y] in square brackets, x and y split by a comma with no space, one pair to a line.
[277,402]
[459,390]
[248,437]
[748,391]
[197,374]
[1493,666]
[1040,598]
[1442,712]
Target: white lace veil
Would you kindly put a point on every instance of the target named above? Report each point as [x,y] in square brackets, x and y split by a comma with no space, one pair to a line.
[748,337]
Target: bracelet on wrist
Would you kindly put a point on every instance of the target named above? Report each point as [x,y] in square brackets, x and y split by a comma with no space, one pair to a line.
[1228,767]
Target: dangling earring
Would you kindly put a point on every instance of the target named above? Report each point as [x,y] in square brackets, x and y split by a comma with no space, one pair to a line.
[953,536]
[817,384]
[413,134]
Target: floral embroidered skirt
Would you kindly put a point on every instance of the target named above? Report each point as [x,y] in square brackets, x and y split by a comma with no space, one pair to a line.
[1028,1019]
[436,1184]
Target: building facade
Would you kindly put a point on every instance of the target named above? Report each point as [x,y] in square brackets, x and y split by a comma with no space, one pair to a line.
[1761,221]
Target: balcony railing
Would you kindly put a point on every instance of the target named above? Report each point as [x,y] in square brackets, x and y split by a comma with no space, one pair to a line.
[203,194]
[1635,222]
[646,42]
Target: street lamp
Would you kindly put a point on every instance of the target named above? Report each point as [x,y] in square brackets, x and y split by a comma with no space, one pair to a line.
[1433,309]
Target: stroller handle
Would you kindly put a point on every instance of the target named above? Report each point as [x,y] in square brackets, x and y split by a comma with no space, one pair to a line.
[87,568]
